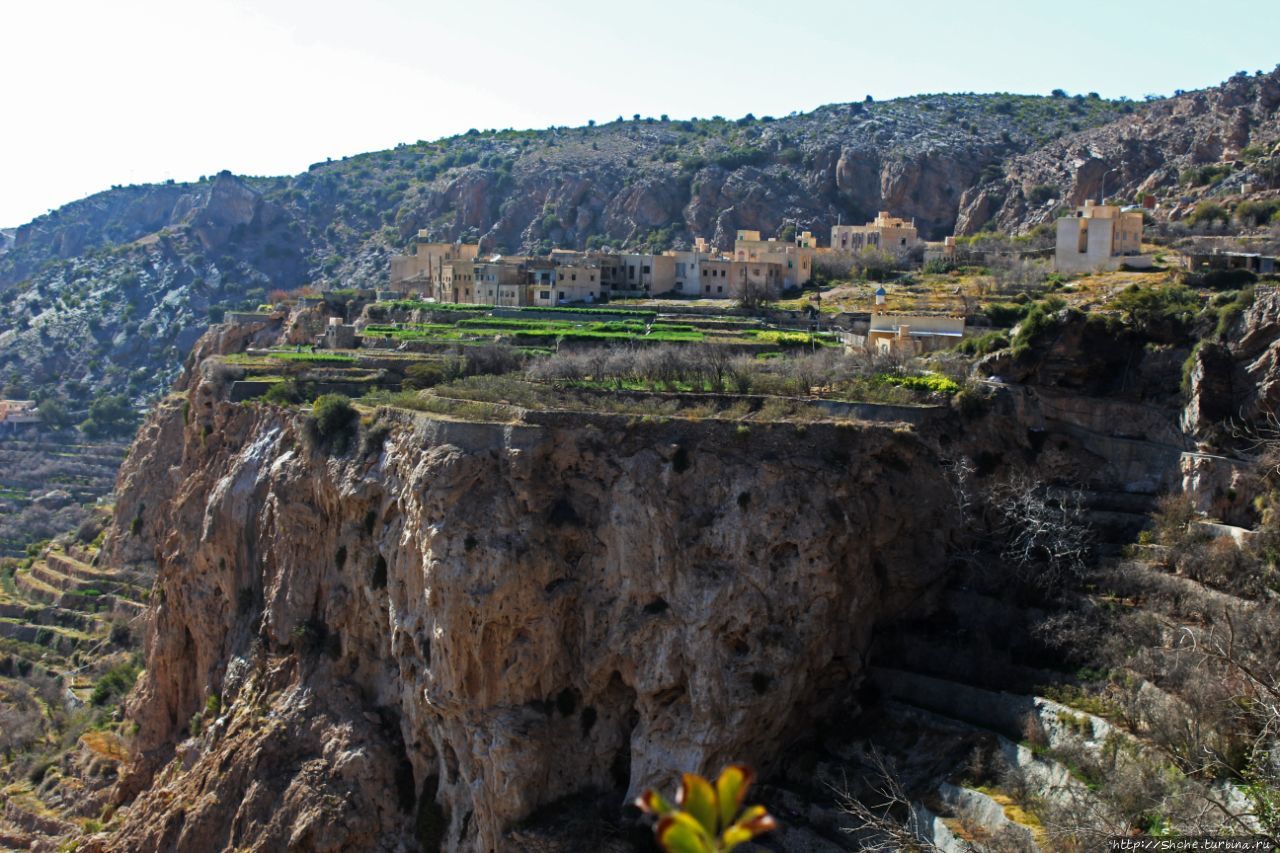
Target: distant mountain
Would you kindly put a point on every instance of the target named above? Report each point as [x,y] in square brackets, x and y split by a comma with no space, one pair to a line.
[109,292]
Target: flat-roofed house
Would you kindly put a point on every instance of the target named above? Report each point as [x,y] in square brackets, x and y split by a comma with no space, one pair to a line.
[794,258]
[886,232]
[1099,237]
[422,270]
[913,334]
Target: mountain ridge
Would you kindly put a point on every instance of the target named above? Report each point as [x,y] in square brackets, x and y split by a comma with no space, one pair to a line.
[108,292]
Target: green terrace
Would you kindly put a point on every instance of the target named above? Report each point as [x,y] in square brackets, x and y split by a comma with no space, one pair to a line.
[536,330]
[587,325]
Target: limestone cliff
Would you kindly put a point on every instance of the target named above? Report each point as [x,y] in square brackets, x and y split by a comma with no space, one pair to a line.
[420,643]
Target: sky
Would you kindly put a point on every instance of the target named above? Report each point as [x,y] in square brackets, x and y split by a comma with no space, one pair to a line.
[132,91]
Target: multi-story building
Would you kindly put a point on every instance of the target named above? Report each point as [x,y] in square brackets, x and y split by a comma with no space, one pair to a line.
[726,278]
[500,281]
[423,268]
[885,232]
[795,258]
[457,282]
[1098,237]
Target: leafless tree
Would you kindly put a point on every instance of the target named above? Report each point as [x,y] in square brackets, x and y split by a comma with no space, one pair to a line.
[889,821]
[1046,538]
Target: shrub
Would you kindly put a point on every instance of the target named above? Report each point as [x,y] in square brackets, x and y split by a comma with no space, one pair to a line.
[283,393]
[1039,322]
[1041,193]
[1209,212]
[115,682]
[931,383]
[1257,212]
[109,415]
[1148,307]
[333,420]
[1006,314]
[983,344]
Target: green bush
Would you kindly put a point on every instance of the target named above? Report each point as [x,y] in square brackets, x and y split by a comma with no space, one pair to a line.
[1199,176]
[334,420]
[1040,321]
[109,415]
[115,682]
[929,382]
[983,344]
[1209,212]
[1257,212]
[1149,307]
[1005,313]
[283,393]
[1041,193]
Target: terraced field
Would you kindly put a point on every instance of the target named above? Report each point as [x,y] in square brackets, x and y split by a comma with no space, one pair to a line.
[70,630]
[46,481]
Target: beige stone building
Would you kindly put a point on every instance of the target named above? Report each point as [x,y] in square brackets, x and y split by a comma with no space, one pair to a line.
[795,259]
[944,251]
[913,334]
[500,281]
[645,274]
[885,232]
[726,278]
[424,267]
[1098,237]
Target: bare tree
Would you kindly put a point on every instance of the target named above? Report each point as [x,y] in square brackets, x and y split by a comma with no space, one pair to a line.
[890,821]
[1046,538]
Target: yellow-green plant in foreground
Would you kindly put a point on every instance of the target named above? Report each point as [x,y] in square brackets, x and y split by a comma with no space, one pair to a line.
[706,818]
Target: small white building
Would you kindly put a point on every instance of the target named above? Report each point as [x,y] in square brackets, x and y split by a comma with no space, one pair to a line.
[1099,237]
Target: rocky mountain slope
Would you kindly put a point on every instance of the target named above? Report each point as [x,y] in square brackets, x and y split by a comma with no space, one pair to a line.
[111,291]
[1218,142]
[105,292]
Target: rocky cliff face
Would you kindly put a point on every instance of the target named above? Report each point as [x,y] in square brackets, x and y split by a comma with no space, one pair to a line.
[1146,152]
[426,640]
[1236,378]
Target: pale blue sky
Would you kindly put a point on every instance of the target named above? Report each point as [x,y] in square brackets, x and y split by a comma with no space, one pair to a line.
[100,93]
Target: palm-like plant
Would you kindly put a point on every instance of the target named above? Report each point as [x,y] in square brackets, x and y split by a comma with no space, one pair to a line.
[707,818]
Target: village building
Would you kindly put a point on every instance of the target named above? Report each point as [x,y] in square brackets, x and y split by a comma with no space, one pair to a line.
[1227,260]
[457,282]
[725,278]
[913,334]
[886,232]
[500,281]
[795,259]
[423,268]
[944,251]
[646,275]
[1099,237]
[15,413]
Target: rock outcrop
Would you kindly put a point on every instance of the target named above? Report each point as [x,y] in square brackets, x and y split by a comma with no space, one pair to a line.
[1147,151]
[423,642]
[1236,380]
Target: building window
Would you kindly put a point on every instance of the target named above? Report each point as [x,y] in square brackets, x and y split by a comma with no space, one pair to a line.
[645,270]
[544,294]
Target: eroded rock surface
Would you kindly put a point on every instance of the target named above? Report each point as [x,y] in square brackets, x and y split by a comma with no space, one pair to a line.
[424,641]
